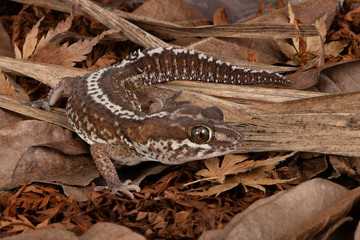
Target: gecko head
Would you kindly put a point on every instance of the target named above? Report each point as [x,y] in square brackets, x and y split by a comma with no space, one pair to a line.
[191,133]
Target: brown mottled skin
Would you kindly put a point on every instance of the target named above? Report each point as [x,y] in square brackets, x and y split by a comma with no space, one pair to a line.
[105,111]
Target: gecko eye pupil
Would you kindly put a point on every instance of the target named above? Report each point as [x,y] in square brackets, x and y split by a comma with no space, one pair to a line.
[200,134]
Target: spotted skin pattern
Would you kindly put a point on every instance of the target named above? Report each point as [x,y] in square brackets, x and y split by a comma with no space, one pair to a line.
[105,111]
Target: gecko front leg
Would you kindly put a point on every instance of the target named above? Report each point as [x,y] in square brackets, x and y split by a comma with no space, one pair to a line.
[101,154]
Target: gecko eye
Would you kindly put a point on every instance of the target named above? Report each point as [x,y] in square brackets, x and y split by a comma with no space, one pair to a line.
[200,134]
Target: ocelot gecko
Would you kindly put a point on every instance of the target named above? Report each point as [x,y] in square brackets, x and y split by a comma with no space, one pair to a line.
[105,111]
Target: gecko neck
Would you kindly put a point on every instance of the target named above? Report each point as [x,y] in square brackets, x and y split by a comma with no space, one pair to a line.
[104,107]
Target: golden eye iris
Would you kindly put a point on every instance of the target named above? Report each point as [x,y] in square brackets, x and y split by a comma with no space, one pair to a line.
[200,134]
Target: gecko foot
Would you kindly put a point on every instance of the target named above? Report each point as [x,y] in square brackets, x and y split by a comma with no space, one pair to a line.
[121,188]
[39,104]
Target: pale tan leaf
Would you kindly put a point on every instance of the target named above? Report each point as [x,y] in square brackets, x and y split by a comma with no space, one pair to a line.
[292,20]
[320,25]
[289,50]
[212,170]
[257,179]
[5,87]
[314,44]
[242,167]
[231,160]
[273,161]
[17,225]
[334,48]
[243,179]
[215,190]
[31,40]
[43,223]
[25,220]
[286,48]
[226,168]
[17,52]
[296,44]
[291,14]
[234,170]
[62,27]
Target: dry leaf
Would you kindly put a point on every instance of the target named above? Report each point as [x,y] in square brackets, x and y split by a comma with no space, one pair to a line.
[248,173]
[251,56]
[334,48]
[340,77]
[5,87]
[29,143]
[215,171]
[290,51]
[107,59]
[311,44]
[294,21]
[65,55]
[68,55]
[299,213]
[31,41]
[291,14]
[220,17]
[17,51]
[346,165]
[174,11]
[108,230]
[6,48]
[17,225]
[60,28]
[320,25]
[258,178]
[314,44]
[216,190]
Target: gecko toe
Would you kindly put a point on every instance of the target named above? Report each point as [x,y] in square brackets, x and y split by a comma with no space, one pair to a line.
[123,188]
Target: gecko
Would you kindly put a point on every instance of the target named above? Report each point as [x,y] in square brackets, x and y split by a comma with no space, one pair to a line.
[105,108]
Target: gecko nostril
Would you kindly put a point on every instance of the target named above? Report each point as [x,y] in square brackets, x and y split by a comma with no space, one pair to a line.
[238,139]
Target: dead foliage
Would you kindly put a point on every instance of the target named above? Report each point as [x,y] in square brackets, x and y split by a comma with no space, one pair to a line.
[174,215]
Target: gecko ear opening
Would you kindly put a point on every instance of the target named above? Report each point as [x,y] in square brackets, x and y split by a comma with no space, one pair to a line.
[213,113]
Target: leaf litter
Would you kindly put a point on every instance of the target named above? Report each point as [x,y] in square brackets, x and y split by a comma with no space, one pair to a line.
[304,49]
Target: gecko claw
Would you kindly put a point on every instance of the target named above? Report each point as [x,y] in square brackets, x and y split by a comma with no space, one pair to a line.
[121,188]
